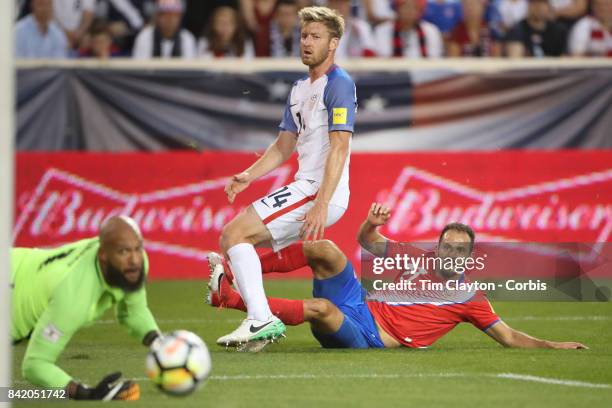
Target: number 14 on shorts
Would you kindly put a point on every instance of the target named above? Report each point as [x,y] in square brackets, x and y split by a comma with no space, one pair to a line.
[277,198]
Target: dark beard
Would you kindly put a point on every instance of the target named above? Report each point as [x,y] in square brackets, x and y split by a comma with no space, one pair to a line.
[115,278]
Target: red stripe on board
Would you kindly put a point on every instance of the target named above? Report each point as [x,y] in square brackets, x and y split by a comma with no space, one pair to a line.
[285,210]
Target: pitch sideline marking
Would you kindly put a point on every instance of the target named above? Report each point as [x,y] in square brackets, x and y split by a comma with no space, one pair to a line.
[546,380]
[503,376]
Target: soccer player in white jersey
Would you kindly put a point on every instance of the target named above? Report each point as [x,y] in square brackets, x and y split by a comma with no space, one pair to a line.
[318,120]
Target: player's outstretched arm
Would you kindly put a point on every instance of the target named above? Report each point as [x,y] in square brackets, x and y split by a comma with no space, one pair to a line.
[508,337]
[133,313]
[48,340]
[63,316]
[275,155]
[369,237]
[316,218]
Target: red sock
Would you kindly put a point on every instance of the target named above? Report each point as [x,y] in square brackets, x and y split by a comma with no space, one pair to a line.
[228,296]
[286,260]
[228,272]
[291,312]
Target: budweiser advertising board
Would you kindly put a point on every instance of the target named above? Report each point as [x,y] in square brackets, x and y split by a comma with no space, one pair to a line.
[178,198]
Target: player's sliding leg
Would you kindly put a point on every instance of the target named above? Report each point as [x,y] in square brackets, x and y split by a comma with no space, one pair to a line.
[319,312]
[237,241]
[222,294]
[328,322]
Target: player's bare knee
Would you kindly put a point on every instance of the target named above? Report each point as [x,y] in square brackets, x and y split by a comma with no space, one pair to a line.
[322,251]
[230,236]
[325,258]
[318,309]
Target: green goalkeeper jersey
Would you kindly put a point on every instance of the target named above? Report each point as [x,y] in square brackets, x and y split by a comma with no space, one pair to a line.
[57,291]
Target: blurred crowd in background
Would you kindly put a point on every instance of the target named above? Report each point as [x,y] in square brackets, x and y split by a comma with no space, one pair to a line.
[192,29]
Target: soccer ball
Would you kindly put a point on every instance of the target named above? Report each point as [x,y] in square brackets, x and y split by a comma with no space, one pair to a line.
[179,363]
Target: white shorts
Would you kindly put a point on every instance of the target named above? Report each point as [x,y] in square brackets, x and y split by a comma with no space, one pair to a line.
[280,211]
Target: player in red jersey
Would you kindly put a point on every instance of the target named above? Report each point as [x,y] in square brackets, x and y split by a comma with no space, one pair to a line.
[341,317]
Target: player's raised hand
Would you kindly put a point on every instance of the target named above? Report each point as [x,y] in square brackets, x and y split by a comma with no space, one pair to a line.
[378,214]
[314,222]
[237,183]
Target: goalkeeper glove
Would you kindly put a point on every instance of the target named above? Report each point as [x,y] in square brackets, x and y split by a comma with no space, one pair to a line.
[110,388]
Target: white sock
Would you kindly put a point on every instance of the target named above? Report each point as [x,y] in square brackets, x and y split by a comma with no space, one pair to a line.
[246,267]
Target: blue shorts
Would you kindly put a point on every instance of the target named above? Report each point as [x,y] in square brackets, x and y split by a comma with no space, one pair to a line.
[358,329]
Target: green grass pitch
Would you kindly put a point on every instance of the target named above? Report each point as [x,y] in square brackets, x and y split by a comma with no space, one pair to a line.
[463,369]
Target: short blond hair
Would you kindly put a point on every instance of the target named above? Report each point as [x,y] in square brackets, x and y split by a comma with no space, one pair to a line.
[330,18]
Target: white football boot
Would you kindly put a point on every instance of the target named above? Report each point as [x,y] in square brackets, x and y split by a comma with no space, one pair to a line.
[252,330]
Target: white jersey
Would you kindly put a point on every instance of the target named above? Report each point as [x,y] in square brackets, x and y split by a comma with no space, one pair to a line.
[68,13]
[312,111]
[590,38]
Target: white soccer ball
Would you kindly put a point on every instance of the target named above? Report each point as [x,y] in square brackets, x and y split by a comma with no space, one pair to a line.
[178,363]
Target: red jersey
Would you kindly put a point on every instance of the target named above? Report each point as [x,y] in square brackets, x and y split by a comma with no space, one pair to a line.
[418,318]
[420,325]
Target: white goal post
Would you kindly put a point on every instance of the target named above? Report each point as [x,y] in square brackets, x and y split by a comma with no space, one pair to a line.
[7,136]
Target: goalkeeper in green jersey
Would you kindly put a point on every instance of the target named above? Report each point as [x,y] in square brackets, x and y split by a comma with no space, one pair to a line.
[55,292]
